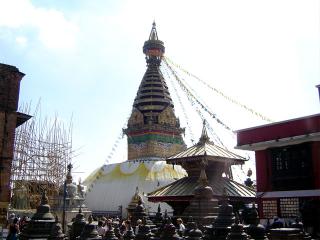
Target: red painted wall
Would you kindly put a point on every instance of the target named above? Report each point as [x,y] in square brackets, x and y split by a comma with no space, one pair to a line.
[279,130]
[263,171]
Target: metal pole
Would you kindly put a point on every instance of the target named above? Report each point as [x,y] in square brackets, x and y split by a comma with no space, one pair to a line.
[64,206]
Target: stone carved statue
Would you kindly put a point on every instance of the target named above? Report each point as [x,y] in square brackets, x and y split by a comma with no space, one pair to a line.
[81,191]
[20,199]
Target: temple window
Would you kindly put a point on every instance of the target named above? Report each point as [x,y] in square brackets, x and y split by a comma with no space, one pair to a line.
[291,167]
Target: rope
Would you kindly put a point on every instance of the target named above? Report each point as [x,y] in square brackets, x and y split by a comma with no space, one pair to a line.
[182,106]
[115,144]
[192,102]
[189,93]
[110,155]
[220,92]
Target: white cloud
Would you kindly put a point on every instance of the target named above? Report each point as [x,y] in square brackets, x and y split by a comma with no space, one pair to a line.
[54,30]
[21,41]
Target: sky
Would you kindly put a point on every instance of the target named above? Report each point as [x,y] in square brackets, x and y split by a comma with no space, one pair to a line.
[84,60]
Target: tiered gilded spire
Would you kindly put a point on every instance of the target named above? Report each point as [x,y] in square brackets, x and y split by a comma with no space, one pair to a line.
[153,129]
[153,95]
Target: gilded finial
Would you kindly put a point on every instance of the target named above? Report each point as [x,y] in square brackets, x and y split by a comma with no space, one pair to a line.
[204,135]
[153,33]
[69,176]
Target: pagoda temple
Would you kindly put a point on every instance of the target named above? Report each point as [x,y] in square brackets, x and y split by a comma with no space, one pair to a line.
[153,133]
[217,162]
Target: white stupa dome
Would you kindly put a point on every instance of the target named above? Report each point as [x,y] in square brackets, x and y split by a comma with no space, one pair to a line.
[114,185]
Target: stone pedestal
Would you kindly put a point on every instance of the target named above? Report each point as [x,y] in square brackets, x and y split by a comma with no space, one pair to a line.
[56,232]
[286,234]
[169,233]
[254,229]
[222,225]
[237,233]
[195,234]
[144,233]
[89,233]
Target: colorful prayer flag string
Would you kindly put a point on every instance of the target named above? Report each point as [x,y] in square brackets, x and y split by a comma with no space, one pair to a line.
[189,93]
[182,106]
[166,59]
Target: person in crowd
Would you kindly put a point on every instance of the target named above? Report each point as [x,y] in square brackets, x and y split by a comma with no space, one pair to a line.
[13,230]
[123,227]
[139,223]
[10,219]
[277,223]
[127,224]
[23,222]
[181,227]
[101,229]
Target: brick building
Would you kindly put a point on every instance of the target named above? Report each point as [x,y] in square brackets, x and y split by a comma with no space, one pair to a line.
[10,78]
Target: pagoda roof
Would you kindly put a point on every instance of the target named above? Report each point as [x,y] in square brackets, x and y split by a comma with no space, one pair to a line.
[206,148]
[182,190]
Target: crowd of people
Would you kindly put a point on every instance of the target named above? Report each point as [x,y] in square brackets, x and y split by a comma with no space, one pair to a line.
[120,227]
[14,225]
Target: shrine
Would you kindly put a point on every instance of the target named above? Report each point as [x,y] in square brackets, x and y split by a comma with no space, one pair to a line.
[213,161]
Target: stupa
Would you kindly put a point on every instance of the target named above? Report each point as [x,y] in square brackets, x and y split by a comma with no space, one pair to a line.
[134,202]
[41,223]
[71,197]
[203,207]
[77,226]
[153,134]
[222,225]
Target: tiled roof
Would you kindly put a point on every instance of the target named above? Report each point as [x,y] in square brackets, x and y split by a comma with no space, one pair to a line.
[184,187]
[207,149]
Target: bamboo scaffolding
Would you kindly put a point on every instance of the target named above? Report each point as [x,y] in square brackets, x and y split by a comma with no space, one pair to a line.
[43,149]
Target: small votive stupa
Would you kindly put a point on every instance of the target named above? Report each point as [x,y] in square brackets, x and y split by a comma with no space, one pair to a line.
[41,223]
